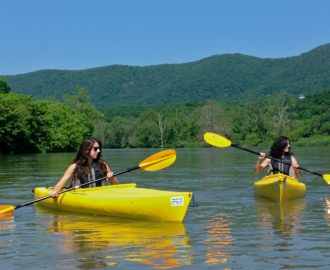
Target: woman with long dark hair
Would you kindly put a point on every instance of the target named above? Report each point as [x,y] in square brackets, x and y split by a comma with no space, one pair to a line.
[280,150]
[87,166]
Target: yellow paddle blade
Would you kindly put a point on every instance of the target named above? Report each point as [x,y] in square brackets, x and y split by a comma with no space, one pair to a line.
[216,140]
[6,209]
[326,177]
[159,160]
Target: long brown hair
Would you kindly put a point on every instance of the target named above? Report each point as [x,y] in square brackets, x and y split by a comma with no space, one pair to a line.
[276,151]
[84,161]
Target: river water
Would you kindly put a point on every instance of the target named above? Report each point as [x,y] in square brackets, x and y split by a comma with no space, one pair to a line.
[226,227]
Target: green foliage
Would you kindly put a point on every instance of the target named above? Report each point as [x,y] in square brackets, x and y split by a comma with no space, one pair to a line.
[212,117]
[253,123]
[15,117]
[4,87]
[248,99]
[61,128]
[39,126]
[45,126]
[81,103]
[225,78]
[316,140]
[167,126]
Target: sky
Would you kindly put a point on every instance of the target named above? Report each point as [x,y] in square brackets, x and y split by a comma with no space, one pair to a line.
[80,34]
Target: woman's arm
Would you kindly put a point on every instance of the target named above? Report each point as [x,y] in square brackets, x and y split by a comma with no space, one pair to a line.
[262,162]
[295,166]
[112,179]
[60,184]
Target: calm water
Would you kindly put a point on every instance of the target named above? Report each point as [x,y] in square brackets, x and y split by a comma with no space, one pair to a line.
[228,228]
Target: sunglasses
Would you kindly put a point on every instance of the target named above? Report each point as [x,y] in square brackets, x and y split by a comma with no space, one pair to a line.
[96,148]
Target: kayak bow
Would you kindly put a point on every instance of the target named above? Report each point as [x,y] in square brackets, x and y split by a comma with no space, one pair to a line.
[279,188]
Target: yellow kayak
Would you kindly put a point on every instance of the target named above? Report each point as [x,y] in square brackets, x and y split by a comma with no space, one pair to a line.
[125,201]
[279,188]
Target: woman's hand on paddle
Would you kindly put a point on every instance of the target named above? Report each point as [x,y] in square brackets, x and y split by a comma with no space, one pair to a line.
[109,175]
[262,155]
[297,170]
[54,193]
[260,160]
[112,179]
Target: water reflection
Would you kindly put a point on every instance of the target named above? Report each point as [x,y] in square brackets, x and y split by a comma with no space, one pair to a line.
[158,245]
[218,241]
[327,209]
[7,222]
[229,223]
[282,217]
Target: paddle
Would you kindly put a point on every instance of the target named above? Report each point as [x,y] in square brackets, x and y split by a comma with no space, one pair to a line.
[154,162]
[220,141]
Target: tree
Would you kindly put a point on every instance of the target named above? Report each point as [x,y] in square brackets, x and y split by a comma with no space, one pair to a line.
[161,126]
[28,126]
[4,87]
[15,116]
[58,128]
[81,102]
[213,118]
[279,107]
[119,133]
[148,129]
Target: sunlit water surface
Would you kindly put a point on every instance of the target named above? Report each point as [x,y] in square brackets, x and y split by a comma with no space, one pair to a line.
[226,227]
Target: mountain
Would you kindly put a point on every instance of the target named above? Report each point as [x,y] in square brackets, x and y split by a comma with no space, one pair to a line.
[225,78]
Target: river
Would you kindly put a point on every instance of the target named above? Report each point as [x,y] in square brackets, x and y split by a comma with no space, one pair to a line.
[226,227]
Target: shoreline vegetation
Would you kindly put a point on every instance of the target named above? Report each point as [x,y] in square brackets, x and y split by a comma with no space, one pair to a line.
[39,126]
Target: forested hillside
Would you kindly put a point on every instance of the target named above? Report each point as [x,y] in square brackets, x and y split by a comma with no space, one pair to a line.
[169,105]
[223,78]
[28,125]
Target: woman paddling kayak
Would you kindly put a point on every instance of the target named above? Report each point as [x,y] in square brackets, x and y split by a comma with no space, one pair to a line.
[287,162]
[87,166]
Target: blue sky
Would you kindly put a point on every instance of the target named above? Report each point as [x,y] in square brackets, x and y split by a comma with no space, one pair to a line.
[79,34]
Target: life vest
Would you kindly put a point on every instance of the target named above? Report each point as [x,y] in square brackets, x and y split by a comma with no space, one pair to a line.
[279,167]
[95,173]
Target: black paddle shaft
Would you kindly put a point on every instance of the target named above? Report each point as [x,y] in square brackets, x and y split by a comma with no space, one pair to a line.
[79,186]
[254,152]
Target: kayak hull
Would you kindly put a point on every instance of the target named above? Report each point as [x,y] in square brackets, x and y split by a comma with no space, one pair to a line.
[125,201]
[279,188]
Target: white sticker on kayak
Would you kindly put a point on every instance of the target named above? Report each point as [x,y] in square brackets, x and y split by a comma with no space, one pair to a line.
[177,201]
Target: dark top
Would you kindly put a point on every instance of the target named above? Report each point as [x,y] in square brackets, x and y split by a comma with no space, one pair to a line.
[278,167]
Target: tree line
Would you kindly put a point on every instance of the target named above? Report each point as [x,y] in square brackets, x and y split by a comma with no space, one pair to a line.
[28,125]
[254,122]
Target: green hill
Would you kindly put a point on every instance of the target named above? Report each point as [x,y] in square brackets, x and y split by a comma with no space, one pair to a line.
[224,78]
